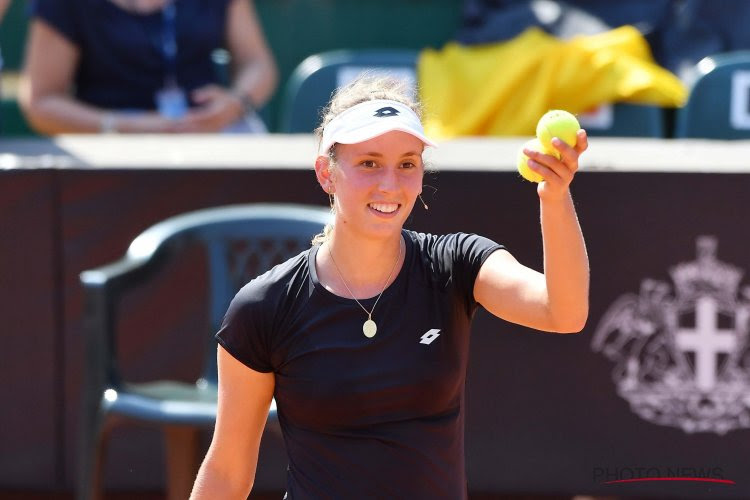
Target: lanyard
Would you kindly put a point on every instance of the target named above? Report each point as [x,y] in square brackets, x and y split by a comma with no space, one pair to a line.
[169,41]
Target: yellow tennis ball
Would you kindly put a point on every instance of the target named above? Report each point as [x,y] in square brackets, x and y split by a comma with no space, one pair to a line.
[557,123]
[523,161]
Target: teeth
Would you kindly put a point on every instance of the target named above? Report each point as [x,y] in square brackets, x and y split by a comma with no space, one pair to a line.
[386,208]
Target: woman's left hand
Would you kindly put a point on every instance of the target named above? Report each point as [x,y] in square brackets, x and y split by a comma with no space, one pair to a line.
[558,174]
[217,108]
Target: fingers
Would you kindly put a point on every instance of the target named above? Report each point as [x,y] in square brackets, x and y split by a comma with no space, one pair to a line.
[552,171]
[569,154]
[206,93]
[209,119]
[559,170]
[198,124]
[551,167]
[582,141]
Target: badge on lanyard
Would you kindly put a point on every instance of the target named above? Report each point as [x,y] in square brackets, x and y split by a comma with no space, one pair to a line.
[171,100]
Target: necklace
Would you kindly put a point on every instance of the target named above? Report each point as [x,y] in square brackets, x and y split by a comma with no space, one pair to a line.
[369,328]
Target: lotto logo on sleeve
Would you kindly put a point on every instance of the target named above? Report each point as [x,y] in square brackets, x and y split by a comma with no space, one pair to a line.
[431,335]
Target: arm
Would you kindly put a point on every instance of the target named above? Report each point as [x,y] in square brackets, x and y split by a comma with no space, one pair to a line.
[228,471]
[256,74]
[51,61]
[255,67]
[3,7]
[557,300]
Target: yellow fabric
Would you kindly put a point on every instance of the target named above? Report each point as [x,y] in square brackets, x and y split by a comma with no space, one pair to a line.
[503,89]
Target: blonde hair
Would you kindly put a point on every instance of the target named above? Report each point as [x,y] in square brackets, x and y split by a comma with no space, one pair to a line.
[366,87]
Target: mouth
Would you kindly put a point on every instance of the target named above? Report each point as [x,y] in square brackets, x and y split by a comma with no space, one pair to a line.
[384,209]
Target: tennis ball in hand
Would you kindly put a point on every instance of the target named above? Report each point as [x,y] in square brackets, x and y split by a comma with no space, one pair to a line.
[560,124]
[523,161]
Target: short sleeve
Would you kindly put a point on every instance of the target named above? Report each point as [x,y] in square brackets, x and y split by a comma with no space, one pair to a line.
[463,254]
[61,15]
[245,330]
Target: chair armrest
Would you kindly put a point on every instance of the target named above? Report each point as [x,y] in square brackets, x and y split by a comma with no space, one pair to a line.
[103,288]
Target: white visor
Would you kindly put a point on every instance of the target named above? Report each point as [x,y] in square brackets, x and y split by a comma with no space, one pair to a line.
[370,119]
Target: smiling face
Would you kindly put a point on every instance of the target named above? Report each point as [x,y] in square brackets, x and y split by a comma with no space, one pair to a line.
[375,183]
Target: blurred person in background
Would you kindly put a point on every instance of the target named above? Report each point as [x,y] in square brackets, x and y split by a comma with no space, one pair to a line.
[3,7]
[144,66]
[679,32]
[4,4]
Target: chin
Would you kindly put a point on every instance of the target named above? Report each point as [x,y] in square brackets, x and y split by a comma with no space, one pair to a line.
[384,230]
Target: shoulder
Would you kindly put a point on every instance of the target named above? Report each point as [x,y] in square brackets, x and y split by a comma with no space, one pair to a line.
[450,246]
[74,19]
[452,261]
[276,283]
[251,326]
[56,13]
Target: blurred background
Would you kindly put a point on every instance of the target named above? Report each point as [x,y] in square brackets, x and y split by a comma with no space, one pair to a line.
[91,157]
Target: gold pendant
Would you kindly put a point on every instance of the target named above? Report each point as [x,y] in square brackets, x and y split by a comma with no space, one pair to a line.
[369,328]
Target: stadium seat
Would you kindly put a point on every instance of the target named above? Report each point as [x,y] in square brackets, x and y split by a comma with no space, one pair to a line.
[312,82]
[718,106]
[238,242]
[624,120]
[310,86]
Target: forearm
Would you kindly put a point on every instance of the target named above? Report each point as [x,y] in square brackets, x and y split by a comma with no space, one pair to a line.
[62,114]
[58,114]
[257,81]
[566,265]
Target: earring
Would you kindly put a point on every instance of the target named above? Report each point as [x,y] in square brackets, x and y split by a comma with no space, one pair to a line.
[423,203]
[330,199]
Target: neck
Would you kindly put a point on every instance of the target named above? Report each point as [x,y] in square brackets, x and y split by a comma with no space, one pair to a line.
[364,265]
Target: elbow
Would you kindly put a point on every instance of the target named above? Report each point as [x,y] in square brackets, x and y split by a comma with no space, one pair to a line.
[34,117]
[34,108]
[572,327]
[572,322]
[28,103]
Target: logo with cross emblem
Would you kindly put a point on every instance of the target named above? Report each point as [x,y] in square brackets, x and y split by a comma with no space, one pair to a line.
[681,352]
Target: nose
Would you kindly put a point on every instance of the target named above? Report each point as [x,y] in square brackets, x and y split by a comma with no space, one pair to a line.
[388,181]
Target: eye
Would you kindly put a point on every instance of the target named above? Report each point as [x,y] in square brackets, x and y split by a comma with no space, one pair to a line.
[411,164]
[369,164]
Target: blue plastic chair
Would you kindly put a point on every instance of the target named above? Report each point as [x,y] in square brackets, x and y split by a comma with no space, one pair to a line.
[626,120]
[718,106]
[313,81]
[266,234]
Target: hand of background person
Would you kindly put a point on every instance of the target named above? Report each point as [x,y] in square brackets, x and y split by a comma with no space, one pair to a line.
[217,108]
[146,123]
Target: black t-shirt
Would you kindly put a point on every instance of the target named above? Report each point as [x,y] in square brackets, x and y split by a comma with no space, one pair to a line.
[362,417]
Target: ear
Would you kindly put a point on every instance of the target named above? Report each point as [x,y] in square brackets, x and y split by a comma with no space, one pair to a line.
[324,174]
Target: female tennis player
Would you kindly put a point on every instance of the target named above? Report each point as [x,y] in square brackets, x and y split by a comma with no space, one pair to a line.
[363,339]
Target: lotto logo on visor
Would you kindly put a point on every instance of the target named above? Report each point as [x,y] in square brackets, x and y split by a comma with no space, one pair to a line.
[365,121]
[387,111]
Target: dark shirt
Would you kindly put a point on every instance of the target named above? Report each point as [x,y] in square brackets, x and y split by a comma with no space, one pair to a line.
[122,63]
[367,418]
